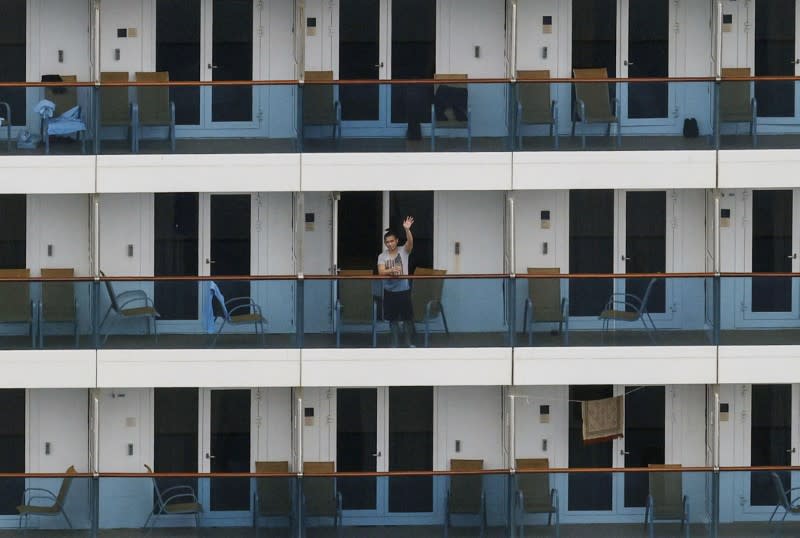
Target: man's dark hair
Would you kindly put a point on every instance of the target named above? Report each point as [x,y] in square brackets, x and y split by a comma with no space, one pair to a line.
[389,232]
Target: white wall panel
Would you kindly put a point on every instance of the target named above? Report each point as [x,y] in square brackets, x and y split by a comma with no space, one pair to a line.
[198,367]
[762,168]
[758,364]
[615,365]
[46,174]
[68,368]
[411,367]
[198,173]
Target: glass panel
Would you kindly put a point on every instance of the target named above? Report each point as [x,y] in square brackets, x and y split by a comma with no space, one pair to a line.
[178,53]
[359,58]
[594,38]
[644,438]
[230,242]
[360,229]
[588,491]
[646,244]
[772,250]
[413,57]
[12,448]
[420,206]
[775,54]
[648,54]
[230,448]
[13,45]
[591,249]
[356,445]
[411,448]
[770,439]
[13,223]
[232,60]
[175,435]
[175,253]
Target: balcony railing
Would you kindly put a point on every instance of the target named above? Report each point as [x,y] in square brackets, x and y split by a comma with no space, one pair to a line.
[289,312]
[654,500]
[442,115]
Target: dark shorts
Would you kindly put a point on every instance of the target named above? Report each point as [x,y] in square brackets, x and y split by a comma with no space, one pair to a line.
[397,306]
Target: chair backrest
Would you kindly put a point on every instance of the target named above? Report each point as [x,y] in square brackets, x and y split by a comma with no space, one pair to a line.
[356,296]
[111,297]
[545,294]
[65,484]
[63,97]
[780,493]
[155,484]
[319,491]
[734,95]
[58,298]
[114,100]
[153,101]
[647,292]
[465,490]
[16,303]
[666,488]
[594,95]
[451,99]
[534,98]
[274,493]
[535,487]
[425,290]
[318,102]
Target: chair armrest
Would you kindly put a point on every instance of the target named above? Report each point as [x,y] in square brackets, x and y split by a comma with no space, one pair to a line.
[134,112]
[50,495]
[338,502]
[171,498]
[188,489]
[617,106]
[131,293]
[580,109]
[520,496]
[554,499]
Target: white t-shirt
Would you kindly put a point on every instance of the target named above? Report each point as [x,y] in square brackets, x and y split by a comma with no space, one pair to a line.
[389,262]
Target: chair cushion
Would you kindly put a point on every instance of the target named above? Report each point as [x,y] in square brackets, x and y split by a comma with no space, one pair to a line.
[139,311]
[183,508]
[26,509]
[621,315]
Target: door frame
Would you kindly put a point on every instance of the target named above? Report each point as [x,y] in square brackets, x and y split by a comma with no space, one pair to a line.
[744,317]
[228,518]
[381,515]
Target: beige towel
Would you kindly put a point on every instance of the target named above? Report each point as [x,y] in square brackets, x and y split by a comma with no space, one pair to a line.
[602,419]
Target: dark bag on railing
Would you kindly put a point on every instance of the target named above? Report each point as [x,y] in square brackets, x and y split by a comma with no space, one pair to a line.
[690,129]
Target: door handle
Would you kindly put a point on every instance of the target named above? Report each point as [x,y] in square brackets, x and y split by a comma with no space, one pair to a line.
[625,258]
[795,61]
[209,456]
[208,261]
[626,62]
[790,451]
[378,65]
[377,454]
[793,256]
[210,66]
[624,453]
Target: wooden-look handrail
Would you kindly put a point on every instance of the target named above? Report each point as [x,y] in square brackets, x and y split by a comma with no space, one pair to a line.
[451,276]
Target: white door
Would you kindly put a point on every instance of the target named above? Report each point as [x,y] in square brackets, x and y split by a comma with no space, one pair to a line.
[212,40]
[646,50]
[226,438]
[370,424]
[771,246]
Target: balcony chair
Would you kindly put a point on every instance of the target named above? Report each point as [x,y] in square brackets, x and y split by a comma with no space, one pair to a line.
[534,494]
[784,499]
[43,502]
[64,117]
[173,500]
[593,103]
[544,303]
[5,120]
[534,103]
[145,310]
[357,303]
[426,299]
[16,305]
[154,107]
[320,107]
[236,311]
[450,108]
[665,500]
[115,108]
[320,498]
[465,495]
[736,102]
[273,495]
[59,304]
[631,308]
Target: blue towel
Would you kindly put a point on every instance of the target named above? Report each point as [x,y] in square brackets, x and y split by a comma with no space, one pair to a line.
[212,292]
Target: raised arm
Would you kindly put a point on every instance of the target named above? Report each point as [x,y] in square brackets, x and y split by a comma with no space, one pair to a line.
[409,236]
